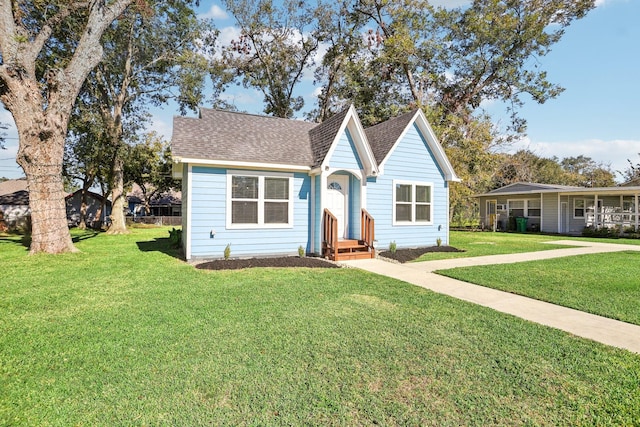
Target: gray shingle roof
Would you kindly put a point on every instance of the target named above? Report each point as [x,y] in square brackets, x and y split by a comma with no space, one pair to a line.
[12,185]
[229,136]
[324,134]
[384,135]
[523,187]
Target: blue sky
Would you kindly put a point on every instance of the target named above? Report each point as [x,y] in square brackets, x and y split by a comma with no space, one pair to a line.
[598,115]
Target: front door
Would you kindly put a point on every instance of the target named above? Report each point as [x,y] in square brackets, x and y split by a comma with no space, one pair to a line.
[338,202]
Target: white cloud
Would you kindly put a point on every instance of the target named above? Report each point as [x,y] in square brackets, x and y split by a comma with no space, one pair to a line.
[245,100]
[214,12]
[161,126]
[613,152]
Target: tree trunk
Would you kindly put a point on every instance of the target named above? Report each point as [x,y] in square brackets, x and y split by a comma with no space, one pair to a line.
[118,223]
[82,225]
[40,156]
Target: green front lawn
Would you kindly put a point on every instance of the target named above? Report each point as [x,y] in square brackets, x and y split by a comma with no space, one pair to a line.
[126,334]
[603,284]
[487,243]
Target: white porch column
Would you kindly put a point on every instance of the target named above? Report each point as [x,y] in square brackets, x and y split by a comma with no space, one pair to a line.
[596,213]
[636,206]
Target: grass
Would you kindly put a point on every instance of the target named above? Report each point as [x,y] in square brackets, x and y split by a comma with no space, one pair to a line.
[487,243]
[126,334]
[603,284]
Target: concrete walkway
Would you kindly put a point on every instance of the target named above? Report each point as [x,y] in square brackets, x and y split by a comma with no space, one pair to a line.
[597,328]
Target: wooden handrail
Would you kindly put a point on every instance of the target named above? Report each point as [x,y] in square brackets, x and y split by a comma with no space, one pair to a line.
[330,234]
[367,228]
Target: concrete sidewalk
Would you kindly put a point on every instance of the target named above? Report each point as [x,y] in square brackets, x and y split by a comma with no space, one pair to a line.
[597,328]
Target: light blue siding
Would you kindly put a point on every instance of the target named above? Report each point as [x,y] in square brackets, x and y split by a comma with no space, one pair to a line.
[412,160]
[210,236]
[345,155]
[317,249]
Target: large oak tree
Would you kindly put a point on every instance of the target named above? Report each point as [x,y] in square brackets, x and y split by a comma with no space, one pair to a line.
[47,49]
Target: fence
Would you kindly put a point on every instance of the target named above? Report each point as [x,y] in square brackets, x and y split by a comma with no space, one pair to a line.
[159,220]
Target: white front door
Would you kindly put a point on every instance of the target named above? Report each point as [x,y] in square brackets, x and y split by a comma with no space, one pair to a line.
[338,202]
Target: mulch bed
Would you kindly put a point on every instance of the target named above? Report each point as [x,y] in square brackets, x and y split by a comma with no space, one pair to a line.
[401,255]
[288,261]
[406,255]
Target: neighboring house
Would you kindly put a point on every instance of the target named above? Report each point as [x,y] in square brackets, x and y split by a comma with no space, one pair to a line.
[168,203]
[98,209]
[14,204]
[560,209]
[266,186]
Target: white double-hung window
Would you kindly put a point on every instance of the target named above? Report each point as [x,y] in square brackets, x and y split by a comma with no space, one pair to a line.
[412,203]
[259,201]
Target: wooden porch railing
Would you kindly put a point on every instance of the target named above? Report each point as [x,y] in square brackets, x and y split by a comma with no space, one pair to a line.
[329,235]
[347,249]
[367,229]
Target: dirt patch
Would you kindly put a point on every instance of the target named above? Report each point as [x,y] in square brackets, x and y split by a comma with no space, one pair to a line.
[289,261]
[406,255]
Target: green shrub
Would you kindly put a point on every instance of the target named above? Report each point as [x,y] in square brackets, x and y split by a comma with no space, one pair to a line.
[301,251]
[439,241]
[393,247]
[227,251]
[175,237]
[604,232]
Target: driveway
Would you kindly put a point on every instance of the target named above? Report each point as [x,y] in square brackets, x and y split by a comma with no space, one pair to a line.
[597,328]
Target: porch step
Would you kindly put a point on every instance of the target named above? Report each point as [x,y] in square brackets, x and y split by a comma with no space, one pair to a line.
[347,256]
[350,250]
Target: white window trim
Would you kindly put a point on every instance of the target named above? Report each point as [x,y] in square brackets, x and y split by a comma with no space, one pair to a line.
[584,208]
[261,200]
[525,208]
[413,202]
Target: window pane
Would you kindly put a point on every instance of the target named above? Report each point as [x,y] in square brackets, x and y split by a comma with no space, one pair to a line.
[276,213]
[244,187]
[423,194]
[423,212]
[534,212]
[403,193]
[516,204]
[533,203]
[578,203]
[403,212]
[276,188]
[244,212]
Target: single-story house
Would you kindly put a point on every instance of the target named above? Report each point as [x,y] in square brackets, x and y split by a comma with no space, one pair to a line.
[14,204]
[560,209]
[168,203]
[267,186]
[98,208]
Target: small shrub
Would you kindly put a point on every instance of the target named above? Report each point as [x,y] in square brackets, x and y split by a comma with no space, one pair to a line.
[393,247]
[301,251]
[603,232]
[227,252]
[439,241]
[175,238]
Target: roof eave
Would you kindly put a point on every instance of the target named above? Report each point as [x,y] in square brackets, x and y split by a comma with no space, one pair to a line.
[240,164]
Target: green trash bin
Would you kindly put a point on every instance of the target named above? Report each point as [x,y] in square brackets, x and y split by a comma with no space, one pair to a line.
[521,224]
